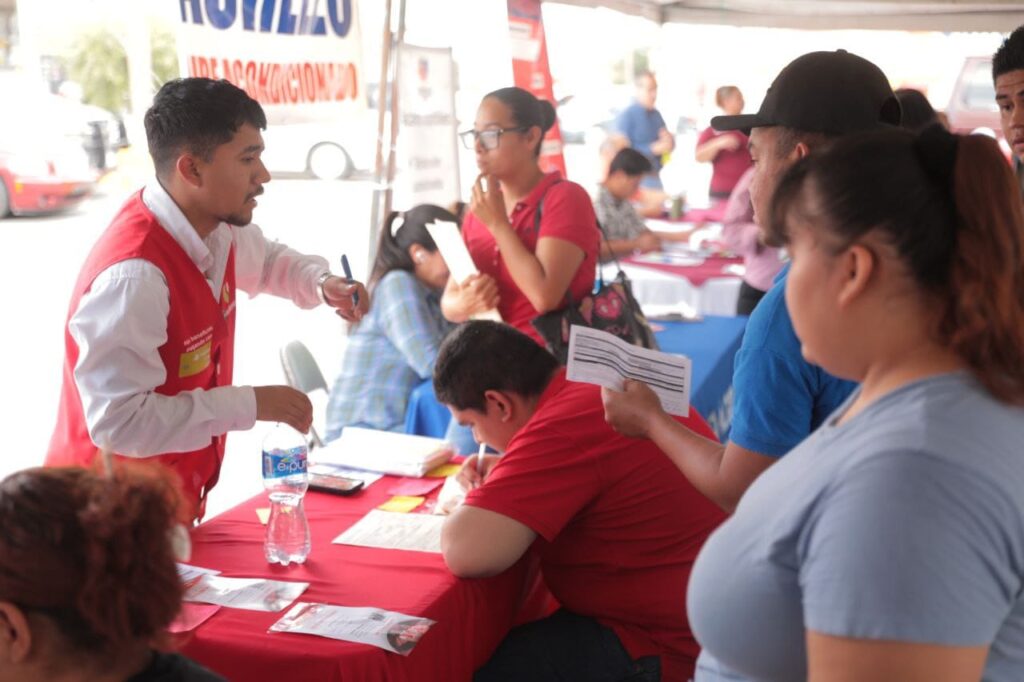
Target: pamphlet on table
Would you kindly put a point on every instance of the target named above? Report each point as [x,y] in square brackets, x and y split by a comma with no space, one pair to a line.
[188,573]
[388,630]
[395,530]
[387,452]
[597,357]
[253,594]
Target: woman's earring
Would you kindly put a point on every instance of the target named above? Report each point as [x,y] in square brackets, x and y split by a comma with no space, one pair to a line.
[419,257]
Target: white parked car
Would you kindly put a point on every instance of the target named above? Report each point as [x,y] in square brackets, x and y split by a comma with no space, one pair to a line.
[328,150]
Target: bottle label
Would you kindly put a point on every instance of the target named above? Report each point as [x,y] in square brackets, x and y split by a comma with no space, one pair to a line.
[278,463]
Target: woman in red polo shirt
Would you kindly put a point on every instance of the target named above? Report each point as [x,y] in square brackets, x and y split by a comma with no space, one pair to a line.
[532,235]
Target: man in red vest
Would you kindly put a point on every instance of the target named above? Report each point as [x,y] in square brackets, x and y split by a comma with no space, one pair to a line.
[150,334]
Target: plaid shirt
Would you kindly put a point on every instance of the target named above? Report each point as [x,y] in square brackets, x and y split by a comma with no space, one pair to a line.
[389,352]
[618,218]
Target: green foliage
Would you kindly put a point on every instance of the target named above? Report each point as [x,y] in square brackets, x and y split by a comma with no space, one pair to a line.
[99,64]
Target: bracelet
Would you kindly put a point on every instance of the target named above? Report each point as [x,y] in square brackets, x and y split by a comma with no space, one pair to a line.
[320,281]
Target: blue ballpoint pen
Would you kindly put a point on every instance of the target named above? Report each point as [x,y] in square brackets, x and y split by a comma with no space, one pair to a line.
[348,276]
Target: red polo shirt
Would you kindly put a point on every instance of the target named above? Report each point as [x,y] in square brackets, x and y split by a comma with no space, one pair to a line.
[728,165]
[619,526]
[567,214]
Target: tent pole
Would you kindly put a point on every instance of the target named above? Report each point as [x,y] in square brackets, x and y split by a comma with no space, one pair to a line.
[395,83]
[378,168]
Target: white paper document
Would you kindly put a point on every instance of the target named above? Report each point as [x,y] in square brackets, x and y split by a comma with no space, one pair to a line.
[400,454]
[388,630]
[392,530]
[188,572]
[597,357]
[253,594]
[456,256]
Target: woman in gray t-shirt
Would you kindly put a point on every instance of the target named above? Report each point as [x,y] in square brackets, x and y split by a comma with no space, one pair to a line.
[890,544]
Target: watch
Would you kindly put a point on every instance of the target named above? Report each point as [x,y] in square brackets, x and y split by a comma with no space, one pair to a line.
[320,281]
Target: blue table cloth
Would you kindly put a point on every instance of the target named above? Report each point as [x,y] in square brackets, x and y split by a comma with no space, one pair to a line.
[711,344]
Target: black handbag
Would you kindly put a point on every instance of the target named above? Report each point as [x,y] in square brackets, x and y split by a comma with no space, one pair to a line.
[611,308]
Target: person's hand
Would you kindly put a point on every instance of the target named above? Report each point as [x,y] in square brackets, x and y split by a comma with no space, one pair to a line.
[488,205]
[469,478]
[632,410]
[284,404]
[339,293]
[728,142]
[647,241]
[664,144]
[477,294]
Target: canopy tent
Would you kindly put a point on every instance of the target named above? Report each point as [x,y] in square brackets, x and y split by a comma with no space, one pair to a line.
[1000,16]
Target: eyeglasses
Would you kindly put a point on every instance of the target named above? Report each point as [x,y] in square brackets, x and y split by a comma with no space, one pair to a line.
[488,138]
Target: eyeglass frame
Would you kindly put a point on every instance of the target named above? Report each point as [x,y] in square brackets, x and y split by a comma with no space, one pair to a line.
[475,135]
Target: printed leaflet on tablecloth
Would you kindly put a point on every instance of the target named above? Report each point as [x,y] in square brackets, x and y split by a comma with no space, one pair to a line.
[253,594]
[394,530]
[388,630]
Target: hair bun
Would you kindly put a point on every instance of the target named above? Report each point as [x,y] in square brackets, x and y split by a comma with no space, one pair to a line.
[936,151]
[547,114]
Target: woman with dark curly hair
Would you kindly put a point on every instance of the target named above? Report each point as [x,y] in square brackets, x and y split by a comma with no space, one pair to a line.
[88,583]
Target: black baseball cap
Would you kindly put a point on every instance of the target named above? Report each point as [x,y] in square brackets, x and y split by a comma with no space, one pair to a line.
[823,92]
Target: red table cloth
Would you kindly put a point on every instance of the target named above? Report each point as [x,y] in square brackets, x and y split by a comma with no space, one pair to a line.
[713,266]
[472,615]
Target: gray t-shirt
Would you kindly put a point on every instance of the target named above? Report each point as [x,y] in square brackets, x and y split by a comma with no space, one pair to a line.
[905,523]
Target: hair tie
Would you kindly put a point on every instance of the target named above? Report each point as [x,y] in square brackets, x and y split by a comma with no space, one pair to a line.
[397,224]
[936,151]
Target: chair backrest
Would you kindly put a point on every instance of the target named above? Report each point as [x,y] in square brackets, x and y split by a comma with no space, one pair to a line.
[302,373]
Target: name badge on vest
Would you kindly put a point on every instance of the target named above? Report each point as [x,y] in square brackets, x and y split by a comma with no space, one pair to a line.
[196,357]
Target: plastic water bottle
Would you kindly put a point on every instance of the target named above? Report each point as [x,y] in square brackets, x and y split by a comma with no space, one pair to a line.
[284,477]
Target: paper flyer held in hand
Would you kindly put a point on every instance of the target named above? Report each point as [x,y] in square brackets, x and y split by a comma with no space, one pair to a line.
[597,357]
[253,594]
[456,256]
[388,630]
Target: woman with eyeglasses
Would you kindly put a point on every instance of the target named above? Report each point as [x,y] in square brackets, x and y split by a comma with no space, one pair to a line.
[889,545]
[532,235]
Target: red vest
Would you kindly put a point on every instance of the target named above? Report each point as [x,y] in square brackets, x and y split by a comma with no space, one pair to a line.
[199,351]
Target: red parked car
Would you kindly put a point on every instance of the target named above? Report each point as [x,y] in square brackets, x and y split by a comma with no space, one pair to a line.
[35,183]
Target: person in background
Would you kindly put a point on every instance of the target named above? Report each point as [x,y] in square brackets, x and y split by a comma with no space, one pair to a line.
[150,332]
[917,111]
[393,348]
[88,581]
[761,263]
[1008,77]
[644,129]
[780,396]
[888,545]
[624,231]
[615,524]
[533,235]
[726,150]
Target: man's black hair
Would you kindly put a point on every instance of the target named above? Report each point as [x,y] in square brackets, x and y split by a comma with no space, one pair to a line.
[197,115]
[631,162]
[484,356]
[1010,55]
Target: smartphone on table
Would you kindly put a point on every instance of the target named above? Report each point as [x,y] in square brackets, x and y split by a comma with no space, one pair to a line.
[334,484]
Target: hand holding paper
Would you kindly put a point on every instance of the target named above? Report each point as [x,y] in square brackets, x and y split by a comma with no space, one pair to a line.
[597,357]
[478,294]
[632,410]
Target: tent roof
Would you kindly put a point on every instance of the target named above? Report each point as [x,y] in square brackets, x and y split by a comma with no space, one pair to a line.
[1001,16]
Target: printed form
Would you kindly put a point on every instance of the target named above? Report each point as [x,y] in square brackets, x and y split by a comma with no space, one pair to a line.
[597,357]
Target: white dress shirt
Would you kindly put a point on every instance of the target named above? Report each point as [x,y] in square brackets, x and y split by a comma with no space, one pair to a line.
[121,322]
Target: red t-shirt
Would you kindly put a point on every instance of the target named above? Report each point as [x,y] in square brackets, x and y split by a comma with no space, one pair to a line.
[619,526]
[567,214]
[728,165]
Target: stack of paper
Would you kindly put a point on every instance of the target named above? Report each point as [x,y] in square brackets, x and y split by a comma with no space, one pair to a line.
[400,454]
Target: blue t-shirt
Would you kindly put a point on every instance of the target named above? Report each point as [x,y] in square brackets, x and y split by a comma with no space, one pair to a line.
[780,398]
[906,523]
[641,126]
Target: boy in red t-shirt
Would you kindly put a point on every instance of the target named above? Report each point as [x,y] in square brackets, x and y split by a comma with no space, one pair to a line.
[616,525]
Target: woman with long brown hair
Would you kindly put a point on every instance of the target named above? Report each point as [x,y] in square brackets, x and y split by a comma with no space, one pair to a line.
[889,545]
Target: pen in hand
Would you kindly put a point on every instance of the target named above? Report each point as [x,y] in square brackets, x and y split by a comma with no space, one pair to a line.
[348,276]
[480,460]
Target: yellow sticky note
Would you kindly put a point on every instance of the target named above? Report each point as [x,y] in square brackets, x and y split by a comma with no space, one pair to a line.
[401,503]
[444,471]
[264,514]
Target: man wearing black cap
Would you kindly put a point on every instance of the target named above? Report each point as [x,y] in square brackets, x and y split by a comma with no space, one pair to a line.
[779,397]
[1008,76]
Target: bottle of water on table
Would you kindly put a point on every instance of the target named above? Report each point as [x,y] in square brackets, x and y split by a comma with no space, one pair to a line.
[284,477]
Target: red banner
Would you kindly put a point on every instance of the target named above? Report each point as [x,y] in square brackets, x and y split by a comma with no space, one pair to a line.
[531,72]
